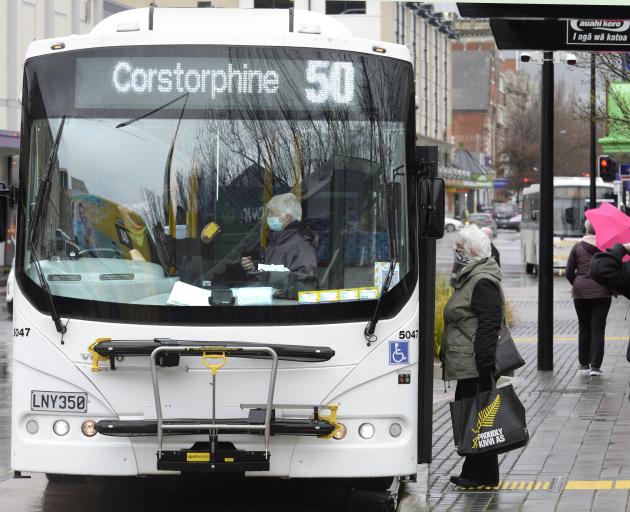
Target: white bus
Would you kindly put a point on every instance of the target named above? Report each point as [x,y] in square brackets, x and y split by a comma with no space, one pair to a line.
[570,201]
[149,149]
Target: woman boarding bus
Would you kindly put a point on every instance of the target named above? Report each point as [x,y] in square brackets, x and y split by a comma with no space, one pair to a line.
[153,350]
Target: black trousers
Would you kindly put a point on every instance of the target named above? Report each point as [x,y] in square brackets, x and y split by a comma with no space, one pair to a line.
[482,468]
[592,315]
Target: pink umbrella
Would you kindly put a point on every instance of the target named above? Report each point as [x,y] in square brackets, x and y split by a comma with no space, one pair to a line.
[612,226]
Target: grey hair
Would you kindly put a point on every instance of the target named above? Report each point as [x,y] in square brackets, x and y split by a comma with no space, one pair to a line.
[474,242]
[590,229]
[286,203]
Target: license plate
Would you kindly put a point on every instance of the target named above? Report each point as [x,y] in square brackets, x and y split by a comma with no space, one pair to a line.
[57,401]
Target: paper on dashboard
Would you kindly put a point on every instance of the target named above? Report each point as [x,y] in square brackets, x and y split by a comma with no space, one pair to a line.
[184,294]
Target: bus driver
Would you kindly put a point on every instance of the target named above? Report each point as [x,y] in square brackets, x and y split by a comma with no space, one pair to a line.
[289,242]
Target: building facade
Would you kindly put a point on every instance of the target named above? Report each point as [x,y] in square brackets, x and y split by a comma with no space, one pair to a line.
[479,113]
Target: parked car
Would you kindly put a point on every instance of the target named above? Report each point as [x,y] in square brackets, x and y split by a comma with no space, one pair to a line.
[503,213]
[10,286]
[483,220]
[451,225]
[514,222]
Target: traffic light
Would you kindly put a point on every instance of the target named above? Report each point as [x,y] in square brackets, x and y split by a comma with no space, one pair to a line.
[608,167]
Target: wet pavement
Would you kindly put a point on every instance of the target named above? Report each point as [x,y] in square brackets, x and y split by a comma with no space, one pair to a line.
[578,457]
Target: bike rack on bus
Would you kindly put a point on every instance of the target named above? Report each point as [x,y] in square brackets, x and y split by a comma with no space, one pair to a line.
[209,353]
[261,419]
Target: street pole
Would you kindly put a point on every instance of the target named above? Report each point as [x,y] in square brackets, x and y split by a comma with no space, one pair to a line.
[427,159]
[545,245]
[593,173]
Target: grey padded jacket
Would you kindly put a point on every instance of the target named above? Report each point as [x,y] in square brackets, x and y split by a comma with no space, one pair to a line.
[461,322]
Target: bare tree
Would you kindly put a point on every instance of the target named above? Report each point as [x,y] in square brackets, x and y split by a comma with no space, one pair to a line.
[519,154]
[571,134]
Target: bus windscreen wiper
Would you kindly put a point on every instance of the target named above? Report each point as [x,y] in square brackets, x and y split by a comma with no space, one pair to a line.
[39,213]
[154,111]
[390,198]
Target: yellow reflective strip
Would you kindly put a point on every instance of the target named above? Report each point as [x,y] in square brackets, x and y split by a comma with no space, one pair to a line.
[530,486]
[590,485]
[538,485]
[228,459]
[622,484]
[546,485]
[522,486]
[514,485]
[505,484]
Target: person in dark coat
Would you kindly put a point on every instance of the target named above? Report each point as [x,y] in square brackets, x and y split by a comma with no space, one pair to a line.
[493,250]
[472,320]
[592,303]
[289,242]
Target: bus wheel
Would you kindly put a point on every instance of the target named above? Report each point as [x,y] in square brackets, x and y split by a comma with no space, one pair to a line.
[529,268]
[56,478]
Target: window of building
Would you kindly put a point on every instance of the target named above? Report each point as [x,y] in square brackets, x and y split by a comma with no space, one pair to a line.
[345,7]
[273,4]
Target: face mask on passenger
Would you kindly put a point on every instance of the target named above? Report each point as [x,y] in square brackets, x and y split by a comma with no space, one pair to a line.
[461,258]
[274,223]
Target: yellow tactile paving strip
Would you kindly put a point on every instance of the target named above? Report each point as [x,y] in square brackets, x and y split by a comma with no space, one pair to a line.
[570,485]
[531,339]
[515,485]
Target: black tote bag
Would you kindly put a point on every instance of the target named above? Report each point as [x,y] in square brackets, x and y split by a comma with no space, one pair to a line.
[491,421]
[507,357]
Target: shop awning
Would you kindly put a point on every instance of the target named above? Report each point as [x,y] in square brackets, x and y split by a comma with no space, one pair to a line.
[9,142]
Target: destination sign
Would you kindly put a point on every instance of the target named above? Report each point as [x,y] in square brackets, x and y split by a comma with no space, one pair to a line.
[213,83]
[598,32]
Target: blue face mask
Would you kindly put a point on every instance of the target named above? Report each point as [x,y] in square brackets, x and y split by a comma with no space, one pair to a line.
[274,223]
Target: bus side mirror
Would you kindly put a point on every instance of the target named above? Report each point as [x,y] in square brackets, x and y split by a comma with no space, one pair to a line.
[4,217]
[431,208]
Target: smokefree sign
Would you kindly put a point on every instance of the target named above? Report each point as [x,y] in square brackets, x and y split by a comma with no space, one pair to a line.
[598,32]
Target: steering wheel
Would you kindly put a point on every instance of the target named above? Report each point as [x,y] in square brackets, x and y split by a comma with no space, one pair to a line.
[100,252]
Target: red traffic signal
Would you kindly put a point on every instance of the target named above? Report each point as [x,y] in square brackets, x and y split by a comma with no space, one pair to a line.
[608,168]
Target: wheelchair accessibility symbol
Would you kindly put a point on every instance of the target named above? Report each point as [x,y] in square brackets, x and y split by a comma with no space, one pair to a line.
[398,352]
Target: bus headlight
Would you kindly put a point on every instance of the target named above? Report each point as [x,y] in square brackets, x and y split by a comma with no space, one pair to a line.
[61,427]
[366,430]
[88,427]
[32,427]
[395,429]
[340,432]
